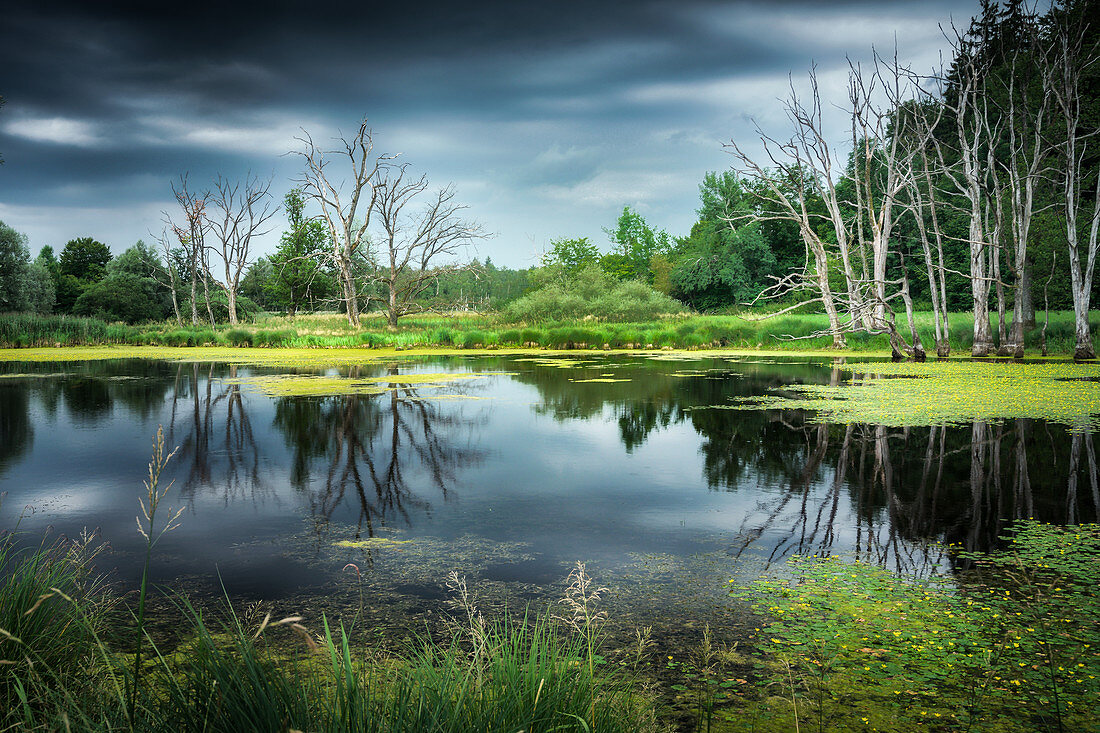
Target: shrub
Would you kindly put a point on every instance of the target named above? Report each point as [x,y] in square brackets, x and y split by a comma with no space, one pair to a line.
[511,337]
[238,337]
[591,293]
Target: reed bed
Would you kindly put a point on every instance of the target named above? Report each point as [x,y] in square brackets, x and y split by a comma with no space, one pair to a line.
[788,332]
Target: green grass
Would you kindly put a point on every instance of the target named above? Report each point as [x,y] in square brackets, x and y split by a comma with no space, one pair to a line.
[53,611]
[463,330]
[271,675]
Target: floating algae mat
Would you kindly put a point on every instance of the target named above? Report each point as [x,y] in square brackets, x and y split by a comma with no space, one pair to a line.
[373,543]
[601,380]
[945,393]
[299,385]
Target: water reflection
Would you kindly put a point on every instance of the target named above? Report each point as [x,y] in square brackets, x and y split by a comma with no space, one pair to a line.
[553,458]
[892,496]
[16,432]
[209,421]
[382,453]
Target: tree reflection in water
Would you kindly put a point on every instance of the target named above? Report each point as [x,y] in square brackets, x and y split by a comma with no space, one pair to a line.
[893,496]
[914,490]
[209,422]
[380,451]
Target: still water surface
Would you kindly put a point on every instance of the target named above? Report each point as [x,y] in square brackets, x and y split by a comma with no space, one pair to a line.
[509,478]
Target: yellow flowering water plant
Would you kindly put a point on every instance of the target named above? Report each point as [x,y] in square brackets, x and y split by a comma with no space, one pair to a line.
[1010,646]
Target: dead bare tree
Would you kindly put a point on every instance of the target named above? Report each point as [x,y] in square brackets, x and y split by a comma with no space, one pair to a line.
[242,210]
[414,242]
[1029,99]
[969,108]
[191,234]
[345,207]
[877,176]
[924,115]
[807,163]
[170,280]
[1070,62]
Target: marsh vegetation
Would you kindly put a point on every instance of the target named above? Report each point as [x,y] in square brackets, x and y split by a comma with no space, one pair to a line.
[337,490]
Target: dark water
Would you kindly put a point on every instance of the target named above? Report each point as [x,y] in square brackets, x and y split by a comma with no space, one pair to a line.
[665,501]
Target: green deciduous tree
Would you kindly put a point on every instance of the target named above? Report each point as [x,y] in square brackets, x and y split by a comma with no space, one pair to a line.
[635,244]
[133,290]
[722,262]
[571,254]
[13,266]
[83,261]
[297,275]
[123,296]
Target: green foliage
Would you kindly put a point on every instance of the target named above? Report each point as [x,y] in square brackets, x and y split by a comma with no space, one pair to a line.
[724,262]
[50,627]
[594,293]
[571,255]
[297,277]
[13,268]
[124,296]
[219,305]
[26,329]
[720,265]
[1008,649]
[635,244]
[238,337]
[48,259]
[85,259]
[39,292]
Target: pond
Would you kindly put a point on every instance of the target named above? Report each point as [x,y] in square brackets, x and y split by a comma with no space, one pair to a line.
[509,468]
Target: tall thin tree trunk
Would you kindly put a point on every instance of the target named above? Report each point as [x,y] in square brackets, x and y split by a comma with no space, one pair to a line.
[979,285]
[1002,327]
[918,347]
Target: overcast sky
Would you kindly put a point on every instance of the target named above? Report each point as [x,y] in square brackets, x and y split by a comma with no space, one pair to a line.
[547,117]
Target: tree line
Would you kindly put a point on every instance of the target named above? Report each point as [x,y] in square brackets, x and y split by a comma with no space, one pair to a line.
[973,187]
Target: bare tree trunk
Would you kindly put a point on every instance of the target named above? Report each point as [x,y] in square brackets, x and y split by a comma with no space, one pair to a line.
[176,303]
[979,284]
[194,297]
[231,300]
[918,347]
[1002,328]
[348,221]
[1067,92]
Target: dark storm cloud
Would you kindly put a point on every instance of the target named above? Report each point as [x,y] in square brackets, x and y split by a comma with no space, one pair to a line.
[549,116]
